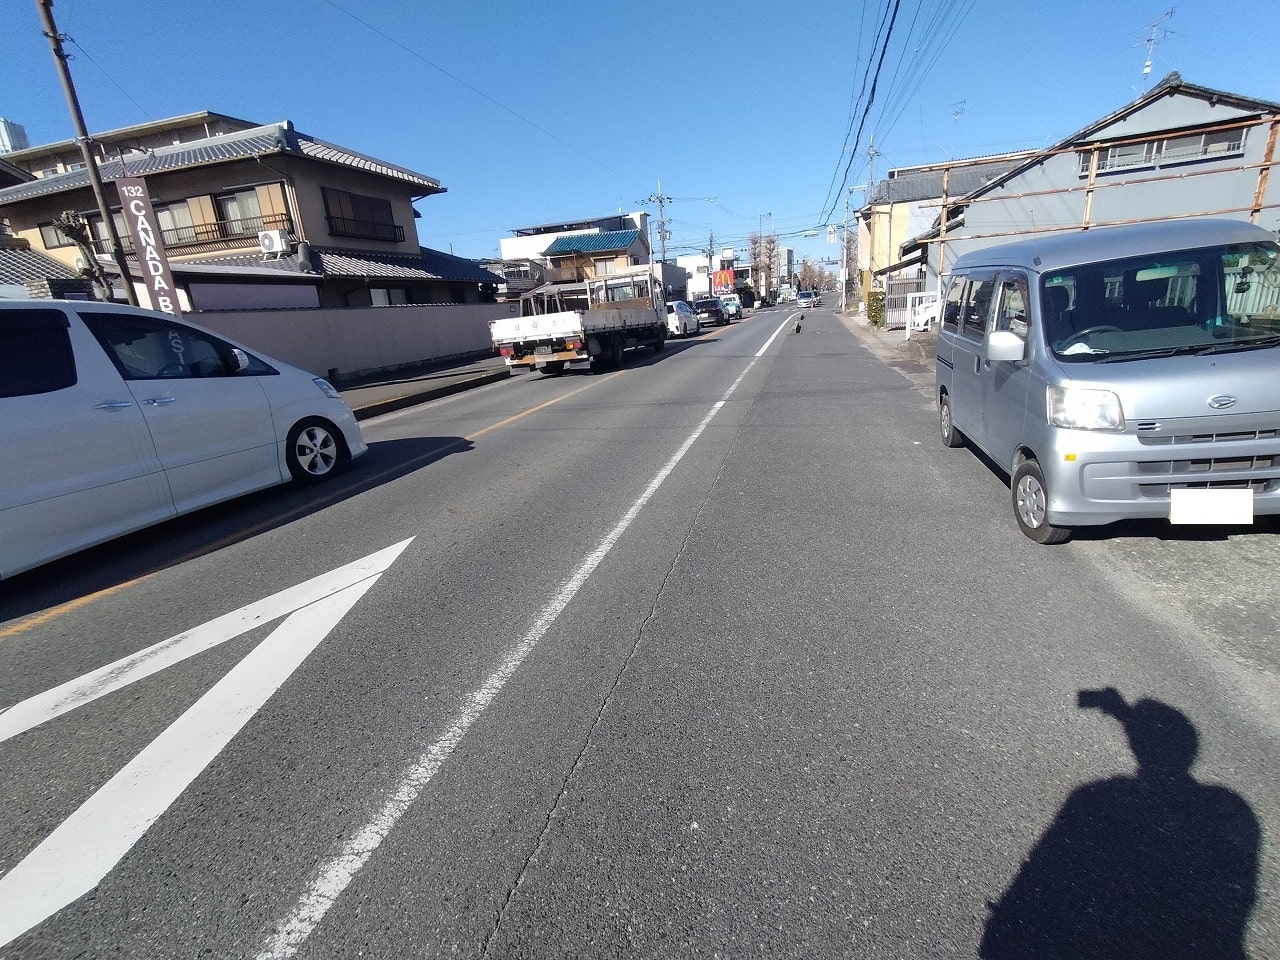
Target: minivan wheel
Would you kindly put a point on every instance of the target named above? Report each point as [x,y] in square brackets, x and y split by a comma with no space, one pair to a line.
[1030,505]
[951,437]
[312,450]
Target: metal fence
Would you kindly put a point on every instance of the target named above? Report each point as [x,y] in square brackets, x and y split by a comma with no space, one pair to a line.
[897,301]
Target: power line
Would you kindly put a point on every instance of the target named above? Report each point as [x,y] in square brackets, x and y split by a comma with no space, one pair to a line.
[871,96]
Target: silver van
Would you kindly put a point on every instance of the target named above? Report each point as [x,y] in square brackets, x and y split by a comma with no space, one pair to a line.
[1120,372]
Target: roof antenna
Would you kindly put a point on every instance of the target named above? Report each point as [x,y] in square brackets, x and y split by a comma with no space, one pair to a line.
[1156,34]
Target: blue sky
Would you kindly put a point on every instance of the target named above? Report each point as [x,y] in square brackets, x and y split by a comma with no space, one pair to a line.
[756,113]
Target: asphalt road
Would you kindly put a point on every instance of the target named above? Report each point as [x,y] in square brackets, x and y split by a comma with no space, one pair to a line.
[718,655]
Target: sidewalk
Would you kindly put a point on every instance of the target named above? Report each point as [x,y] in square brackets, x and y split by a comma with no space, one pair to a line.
[372,396]
[915,356]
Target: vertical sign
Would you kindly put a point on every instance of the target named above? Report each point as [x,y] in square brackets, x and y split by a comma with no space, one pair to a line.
[147,245]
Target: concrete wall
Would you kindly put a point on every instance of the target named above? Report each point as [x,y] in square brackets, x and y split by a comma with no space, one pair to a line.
[354,341]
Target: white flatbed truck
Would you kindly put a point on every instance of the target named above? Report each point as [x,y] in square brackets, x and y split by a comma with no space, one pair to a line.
[584,321]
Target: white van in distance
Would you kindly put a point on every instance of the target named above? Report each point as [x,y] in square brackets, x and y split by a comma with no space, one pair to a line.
[113,418]
[1120,372]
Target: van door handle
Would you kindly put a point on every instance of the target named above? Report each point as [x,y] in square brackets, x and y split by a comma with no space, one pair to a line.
[159,401]
[113,405]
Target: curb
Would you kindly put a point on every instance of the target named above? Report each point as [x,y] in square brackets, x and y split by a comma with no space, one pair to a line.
[379,407]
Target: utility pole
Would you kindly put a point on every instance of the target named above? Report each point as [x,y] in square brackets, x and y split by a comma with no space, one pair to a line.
[82,138]
[844,255]
[711,249]
[661,201]
[871,186]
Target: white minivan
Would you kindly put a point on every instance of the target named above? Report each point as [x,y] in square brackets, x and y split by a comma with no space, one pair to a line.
[1120,372]
[113,418]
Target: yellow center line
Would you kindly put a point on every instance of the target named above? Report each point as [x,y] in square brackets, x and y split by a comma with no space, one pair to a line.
[596,381]
[46,616]
[39,619]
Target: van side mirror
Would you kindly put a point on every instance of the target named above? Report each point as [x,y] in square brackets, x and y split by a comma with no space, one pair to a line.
[1004,345]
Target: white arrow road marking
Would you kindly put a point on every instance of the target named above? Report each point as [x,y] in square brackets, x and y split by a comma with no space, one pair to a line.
[73,859]
[75,693]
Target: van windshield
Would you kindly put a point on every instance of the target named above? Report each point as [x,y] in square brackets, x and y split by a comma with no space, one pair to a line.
[1189,301]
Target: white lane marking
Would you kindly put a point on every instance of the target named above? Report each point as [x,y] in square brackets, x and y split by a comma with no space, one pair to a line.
[75,693]
[334,876]
[82,850]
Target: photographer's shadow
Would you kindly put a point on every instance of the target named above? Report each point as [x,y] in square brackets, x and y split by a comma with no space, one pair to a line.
[1156,865]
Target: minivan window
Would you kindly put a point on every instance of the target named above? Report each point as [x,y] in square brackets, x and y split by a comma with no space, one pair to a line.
[35,353]
[1190,301]
[977,307]
[1011,314]
[147,348]
[954,308]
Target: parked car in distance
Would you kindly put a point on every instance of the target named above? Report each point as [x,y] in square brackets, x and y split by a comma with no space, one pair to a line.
[114,418]
[681,320]
[710,310]
[732,306]
[807,299]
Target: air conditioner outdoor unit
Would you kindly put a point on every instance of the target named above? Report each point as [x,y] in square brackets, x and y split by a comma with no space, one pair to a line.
[273,241]
[82,263]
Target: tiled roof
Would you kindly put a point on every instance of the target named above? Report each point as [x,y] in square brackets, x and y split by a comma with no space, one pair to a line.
[927,184]
[19,266]
[276,138]
[609,241]
[426,264]
[11,174]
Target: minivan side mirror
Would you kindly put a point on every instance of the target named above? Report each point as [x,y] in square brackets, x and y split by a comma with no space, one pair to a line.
[1004,345]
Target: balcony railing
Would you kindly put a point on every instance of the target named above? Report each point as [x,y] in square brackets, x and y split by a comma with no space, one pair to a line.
[214,234]
[365,229]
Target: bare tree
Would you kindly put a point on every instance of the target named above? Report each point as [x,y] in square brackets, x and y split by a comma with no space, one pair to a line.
[74,227]
[764,257]
[811,275]
[853,279]
[769,257]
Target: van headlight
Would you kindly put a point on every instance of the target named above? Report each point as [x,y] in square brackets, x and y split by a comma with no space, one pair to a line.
[1078,408]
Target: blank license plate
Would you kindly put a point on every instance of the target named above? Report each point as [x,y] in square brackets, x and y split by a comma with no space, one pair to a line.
[1209,505]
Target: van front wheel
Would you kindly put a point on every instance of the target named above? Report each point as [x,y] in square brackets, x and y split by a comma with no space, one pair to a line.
[1031,503]
[951,437]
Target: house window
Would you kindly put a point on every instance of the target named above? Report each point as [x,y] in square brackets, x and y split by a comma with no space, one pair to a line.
[175,224]
[98,232]
[52,237]
[1183,148]
[388,296]
[604,267]
[355,215]
[239,213]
